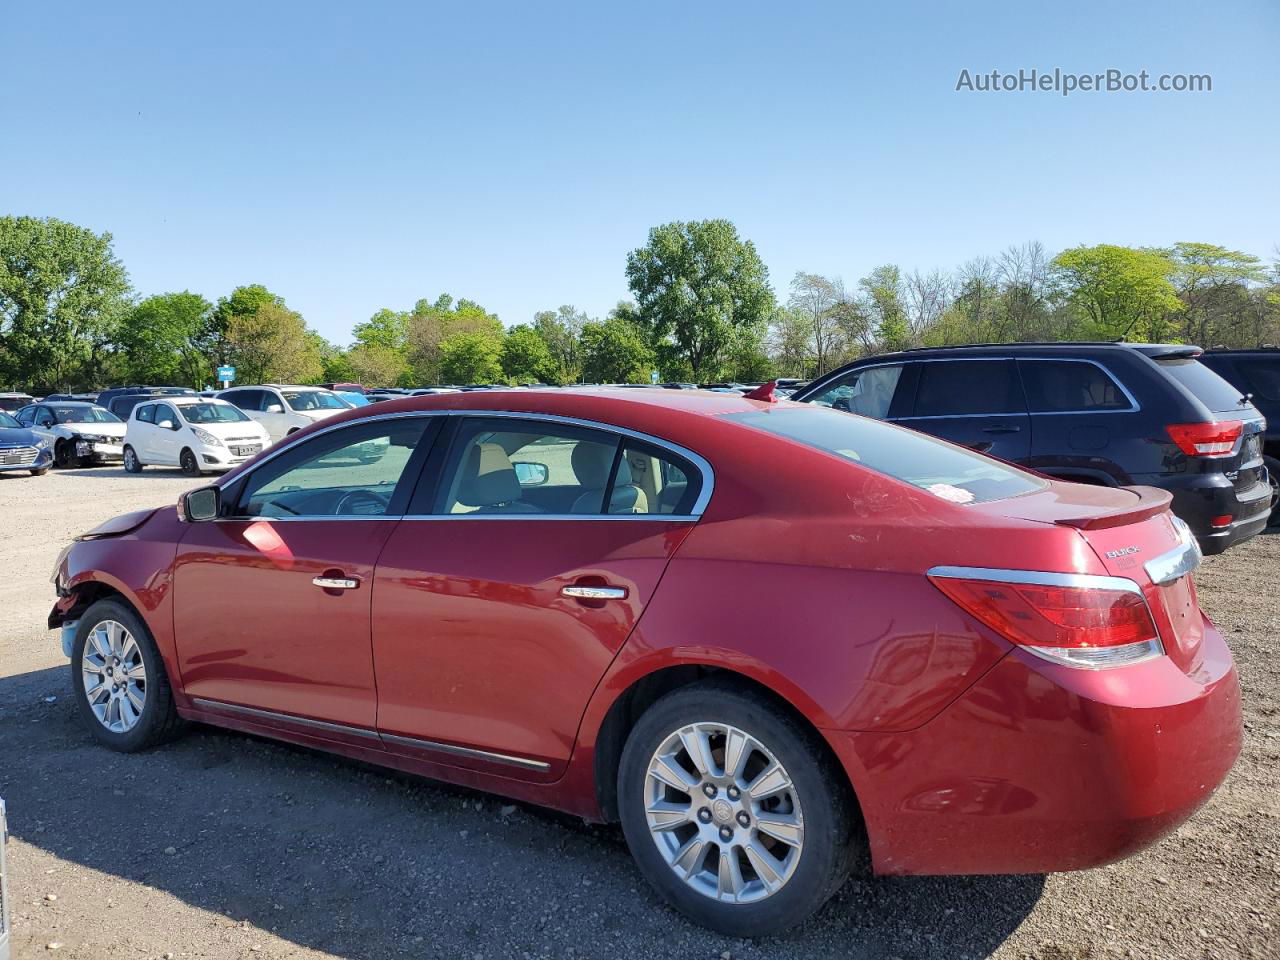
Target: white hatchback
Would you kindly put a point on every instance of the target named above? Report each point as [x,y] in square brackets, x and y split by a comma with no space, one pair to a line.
[194,433]
[284,409]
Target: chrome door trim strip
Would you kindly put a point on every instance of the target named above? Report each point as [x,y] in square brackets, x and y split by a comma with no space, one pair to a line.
[1042,578]
[275,716]
[698,461]
[470,752]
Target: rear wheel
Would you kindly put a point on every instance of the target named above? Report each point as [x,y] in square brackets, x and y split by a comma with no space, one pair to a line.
[131,462]
[190,465]
[733,811]
[121,687]
[1273,471]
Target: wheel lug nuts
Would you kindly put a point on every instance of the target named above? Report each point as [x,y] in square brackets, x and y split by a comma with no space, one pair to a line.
[705,815]
[744,819]
[726,834]
[709,789]
[733,793]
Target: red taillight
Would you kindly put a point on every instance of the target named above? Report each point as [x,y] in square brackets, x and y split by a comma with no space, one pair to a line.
[1083,626]
[1206,439]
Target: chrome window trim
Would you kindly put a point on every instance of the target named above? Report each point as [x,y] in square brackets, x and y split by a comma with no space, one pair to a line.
[699,462]
[1134,406]
[368,734]
[1041,578]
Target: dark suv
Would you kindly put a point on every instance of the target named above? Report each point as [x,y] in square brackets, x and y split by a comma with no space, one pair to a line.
[1257,373]
[1104,413]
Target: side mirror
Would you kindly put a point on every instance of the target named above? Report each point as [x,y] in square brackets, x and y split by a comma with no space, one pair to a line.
[530,474]
[200,505]
[274,408]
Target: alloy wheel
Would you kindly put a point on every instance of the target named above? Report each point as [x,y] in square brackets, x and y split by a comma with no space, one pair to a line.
[724,812]
[115,676]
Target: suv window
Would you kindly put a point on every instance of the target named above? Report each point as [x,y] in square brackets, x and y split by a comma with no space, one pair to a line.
[1262,375]
[955,388]
[245,399]
[948,472]
[868,391]
[1070,386]
[1207,387]
[147,413]
[355,471]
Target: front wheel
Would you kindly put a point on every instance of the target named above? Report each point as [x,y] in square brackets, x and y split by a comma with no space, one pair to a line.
[64,455]
[734,811]
[190,465]
[120,684]
[131,462]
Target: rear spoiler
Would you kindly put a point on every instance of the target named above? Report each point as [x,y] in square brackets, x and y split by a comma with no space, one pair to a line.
[1151,501]
[1171,351]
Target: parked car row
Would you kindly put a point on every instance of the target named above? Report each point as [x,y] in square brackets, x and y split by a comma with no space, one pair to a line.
[775,641]
[1108,414]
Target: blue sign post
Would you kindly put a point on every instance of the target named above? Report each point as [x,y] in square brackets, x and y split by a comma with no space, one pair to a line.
[226,374]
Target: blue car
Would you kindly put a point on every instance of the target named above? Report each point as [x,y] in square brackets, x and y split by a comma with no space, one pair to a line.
[20,449]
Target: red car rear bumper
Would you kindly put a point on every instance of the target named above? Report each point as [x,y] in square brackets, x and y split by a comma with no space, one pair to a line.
[1040,768]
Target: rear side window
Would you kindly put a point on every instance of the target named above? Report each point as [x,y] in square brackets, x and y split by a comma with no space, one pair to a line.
[956,388]
[1070,386]
[245,399]
[950,473]
[1263,376]
[867,392]
[1209,388]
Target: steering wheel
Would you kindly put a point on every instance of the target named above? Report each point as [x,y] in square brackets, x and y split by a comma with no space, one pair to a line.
[350,503]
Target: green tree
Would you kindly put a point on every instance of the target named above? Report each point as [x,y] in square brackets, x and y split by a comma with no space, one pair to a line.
[375,365]
[164,340]
[269,342]
[1213,284]
[526,357]
[560,330]
[474,357]
[694,284]
[615,351]
[882,301]
[430,324]
[747,360]
[1122,292]
[63,296]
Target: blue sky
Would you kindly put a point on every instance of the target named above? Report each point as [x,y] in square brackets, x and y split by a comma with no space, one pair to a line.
[354,156]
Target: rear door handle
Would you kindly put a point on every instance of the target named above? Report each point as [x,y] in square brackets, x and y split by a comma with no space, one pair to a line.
[336,583]
[594,593]
[1006,429]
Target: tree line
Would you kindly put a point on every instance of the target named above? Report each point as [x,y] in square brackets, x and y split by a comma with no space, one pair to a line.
[702,308]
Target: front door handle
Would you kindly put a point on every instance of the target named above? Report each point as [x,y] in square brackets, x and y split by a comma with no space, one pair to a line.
[336,583]
[1005,429]
[594,593]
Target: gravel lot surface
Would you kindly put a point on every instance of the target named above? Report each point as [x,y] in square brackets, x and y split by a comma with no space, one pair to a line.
[222,845]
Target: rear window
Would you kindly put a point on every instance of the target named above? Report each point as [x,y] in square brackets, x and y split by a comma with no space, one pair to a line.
[948,472]
[1209,388]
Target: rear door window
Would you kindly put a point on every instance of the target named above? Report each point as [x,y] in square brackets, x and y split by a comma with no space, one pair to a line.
[1209,388]
[948,472]
[1070,386]
[961,388]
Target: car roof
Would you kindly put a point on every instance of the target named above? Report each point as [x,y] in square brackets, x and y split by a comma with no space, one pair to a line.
[66,403]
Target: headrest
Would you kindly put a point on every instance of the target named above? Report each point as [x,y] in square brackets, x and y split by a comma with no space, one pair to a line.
[592,462]
[488,477]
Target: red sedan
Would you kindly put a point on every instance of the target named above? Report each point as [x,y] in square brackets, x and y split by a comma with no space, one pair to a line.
[766,637]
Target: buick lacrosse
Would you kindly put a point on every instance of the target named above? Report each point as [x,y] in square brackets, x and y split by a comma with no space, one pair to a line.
[773,640]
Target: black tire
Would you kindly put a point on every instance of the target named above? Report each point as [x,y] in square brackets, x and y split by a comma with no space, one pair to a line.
[159,720]
[832,829]
[40,471]
[1273,470]
[190,465]
[131,462]
[64,455]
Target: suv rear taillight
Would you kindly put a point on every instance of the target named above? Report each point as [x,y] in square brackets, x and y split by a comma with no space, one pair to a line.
[1206,439]
[1073,619]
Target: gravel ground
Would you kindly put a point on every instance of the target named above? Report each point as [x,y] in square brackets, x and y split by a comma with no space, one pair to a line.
[223,845]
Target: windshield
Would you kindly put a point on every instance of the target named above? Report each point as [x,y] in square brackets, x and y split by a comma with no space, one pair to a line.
[314,400]
[211,413]
[948,472]
[8,421]
[85,415]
